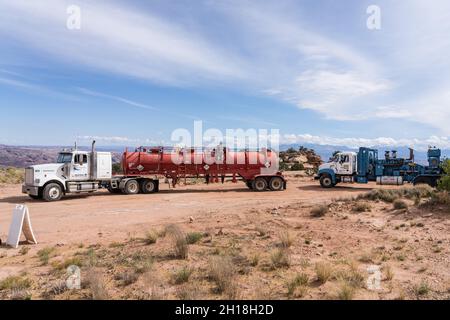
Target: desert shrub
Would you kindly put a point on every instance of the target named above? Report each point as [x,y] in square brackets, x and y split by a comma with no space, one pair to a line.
[351,276]
[254,259]
[45,254]
[386,195]
[221,271]
[444,182]
[346,291]
[193,237]
[20,295]
[151,237]
[24,250]
[400,204]
[11,175]
[361,207]
[422,288]
[15,283]
[95,282]
[74,261]
[286,239]
[319,211]
[441,198]
[187,292]
[126,278]
[323,272]
[281,258]
[180,245]
[182,275]
[300,280]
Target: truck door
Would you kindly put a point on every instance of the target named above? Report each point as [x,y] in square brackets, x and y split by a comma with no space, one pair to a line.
[344,165]
[80,167]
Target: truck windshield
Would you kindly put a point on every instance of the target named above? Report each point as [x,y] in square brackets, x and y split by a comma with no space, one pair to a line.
[64,158]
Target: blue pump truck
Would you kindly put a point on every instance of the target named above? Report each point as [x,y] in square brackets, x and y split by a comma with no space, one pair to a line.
[364,166]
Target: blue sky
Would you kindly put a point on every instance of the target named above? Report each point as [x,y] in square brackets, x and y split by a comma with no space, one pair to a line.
[137,70]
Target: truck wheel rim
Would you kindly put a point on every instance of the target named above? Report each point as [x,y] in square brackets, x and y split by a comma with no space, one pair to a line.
[54,193]
[276,184]
[149,186]
[260,185]
[132,187]
[327,181]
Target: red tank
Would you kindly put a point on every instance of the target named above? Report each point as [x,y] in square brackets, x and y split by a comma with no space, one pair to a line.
[212,164]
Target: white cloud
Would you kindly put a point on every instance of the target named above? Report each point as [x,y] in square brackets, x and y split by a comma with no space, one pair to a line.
[117,39]
[352,142]
[116,98]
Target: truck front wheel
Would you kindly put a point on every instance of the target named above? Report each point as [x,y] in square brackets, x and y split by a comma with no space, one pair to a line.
[326,181]
[52,192]
[131,187]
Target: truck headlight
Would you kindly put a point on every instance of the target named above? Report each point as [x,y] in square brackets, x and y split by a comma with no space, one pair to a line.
[37,181]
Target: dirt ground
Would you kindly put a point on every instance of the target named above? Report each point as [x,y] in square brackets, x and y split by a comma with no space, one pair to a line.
[275,247]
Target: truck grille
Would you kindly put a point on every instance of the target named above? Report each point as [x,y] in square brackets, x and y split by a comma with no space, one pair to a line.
[29,176]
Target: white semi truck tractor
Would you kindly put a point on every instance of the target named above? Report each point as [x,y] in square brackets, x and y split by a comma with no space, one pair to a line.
[77,172]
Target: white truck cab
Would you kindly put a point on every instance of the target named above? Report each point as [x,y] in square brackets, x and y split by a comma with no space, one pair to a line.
[341,168]
[75,171]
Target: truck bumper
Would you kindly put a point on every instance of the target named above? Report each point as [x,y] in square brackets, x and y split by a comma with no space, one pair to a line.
[34,191]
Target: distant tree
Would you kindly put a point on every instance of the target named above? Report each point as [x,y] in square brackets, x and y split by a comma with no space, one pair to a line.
[297,167]
[117,168]
[291,150]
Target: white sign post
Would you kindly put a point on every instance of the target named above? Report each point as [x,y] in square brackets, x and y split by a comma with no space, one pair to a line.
[20,223]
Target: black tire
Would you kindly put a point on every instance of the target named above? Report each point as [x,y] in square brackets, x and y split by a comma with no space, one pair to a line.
[114,191]
[148,186]
[52,192]
[276,184]
[131,187]
[326,181]
[249,185]
[259,184]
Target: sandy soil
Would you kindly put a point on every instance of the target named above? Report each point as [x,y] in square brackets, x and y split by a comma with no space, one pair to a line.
[410,246]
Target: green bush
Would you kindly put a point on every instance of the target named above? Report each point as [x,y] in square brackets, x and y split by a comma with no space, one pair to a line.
[444,182]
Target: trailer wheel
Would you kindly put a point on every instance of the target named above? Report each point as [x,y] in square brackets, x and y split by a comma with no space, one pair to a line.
[131,187]
[259,184]
[276,184]
[148,186]
[249,185]
[326,181]
[52,192]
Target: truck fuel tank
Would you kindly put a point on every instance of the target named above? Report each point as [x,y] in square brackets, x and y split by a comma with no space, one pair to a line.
[390,180]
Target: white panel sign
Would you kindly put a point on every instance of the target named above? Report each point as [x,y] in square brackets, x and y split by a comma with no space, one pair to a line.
[20,223]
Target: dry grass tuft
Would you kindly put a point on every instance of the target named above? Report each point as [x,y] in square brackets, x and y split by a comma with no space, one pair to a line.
[361,207]
[286,239]
[193,237]
[319,211]
[324,272]
[182,275]
[95,282]
[46,254]
[222,271]
[180,245]
[280,258]
[400,204]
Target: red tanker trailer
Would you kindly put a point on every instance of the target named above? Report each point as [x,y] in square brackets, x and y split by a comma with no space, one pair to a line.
[258,169]
[78,171]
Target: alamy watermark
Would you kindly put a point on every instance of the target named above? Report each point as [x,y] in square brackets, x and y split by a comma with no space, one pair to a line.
[73,21]
[374,20]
